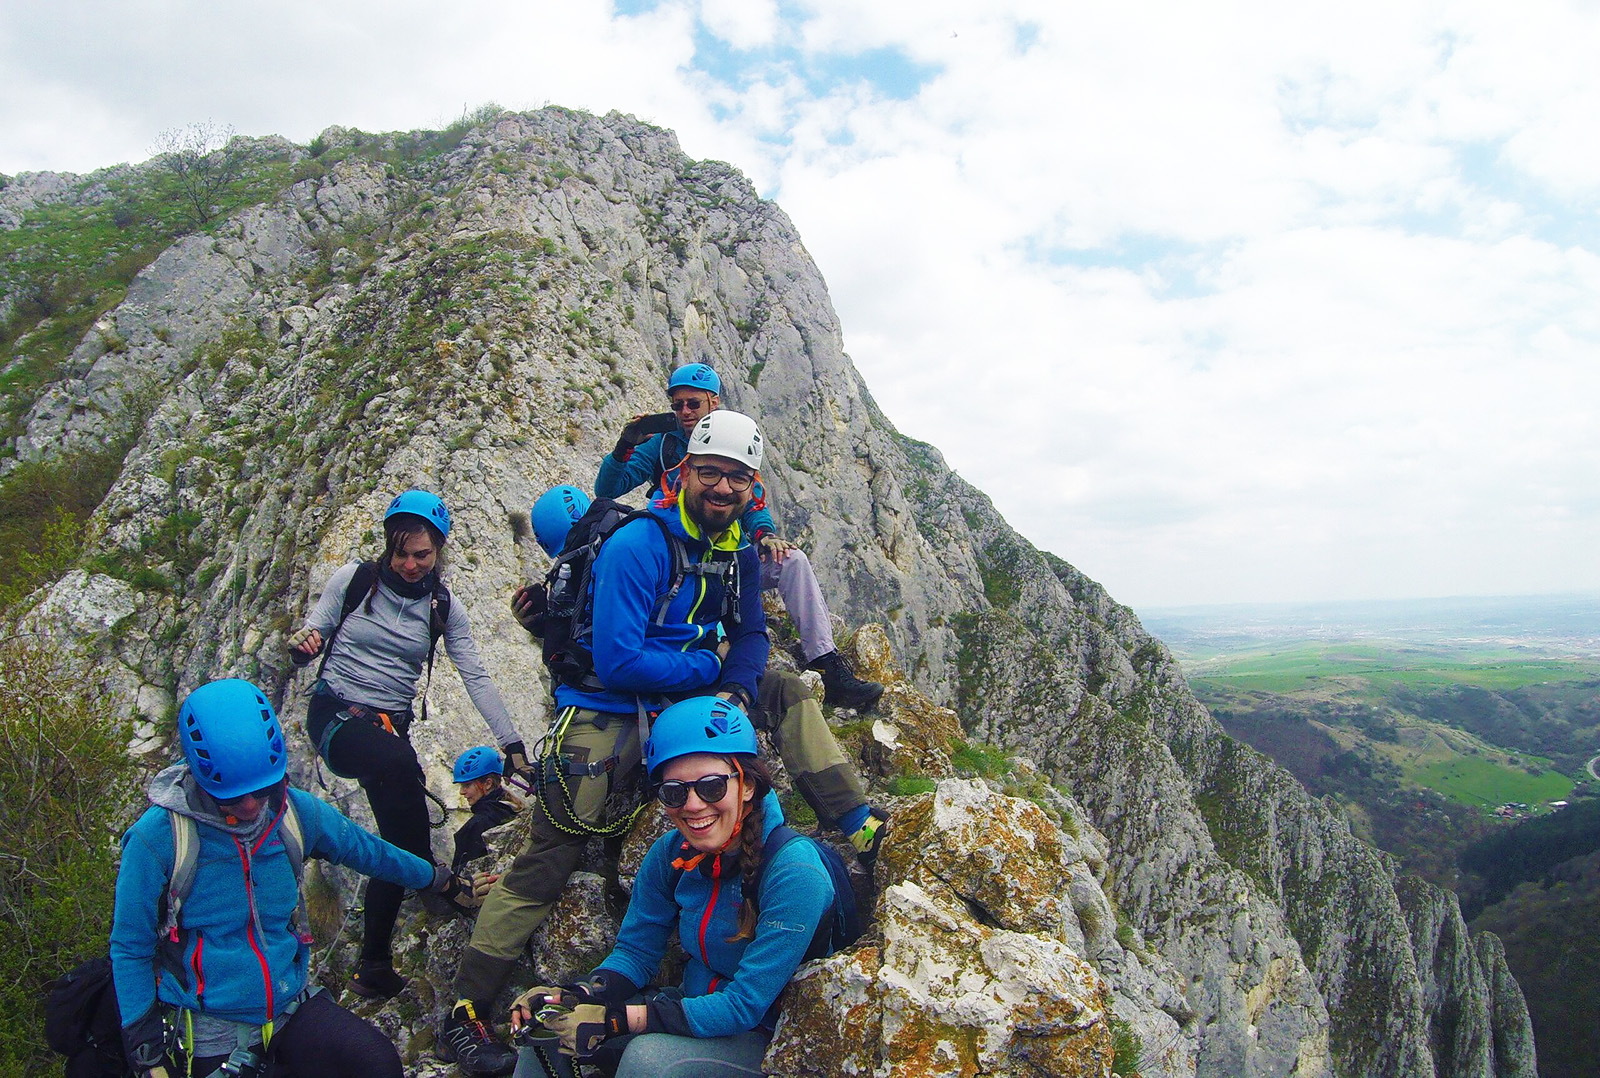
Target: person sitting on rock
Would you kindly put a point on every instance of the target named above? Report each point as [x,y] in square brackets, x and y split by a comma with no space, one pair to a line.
[477,776]
[380,622]
[652,644]
[218,950]
[641,457]
[702,880]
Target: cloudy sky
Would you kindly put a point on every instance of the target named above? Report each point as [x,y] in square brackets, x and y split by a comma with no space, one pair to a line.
[1220,302]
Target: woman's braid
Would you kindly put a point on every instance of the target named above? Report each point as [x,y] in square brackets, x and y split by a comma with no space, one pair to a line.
[750,846]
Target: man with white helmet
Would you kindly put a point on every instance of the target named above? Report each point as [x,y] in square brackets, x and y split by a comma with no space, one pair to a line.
[642,457]
[675,612]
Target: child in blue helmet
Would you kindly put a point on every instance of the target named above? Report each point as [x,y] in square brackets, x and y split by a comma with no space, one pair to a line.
[360,714]
[695,880]
[477,774]
[230,973]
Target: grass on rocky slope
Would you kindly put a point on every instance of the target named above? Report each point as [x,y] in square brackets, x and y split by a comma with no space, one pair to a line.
[69,264]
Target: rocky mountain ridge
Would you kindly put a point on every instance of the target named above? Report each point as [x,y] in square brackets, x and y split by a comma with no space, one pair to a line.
[481,320]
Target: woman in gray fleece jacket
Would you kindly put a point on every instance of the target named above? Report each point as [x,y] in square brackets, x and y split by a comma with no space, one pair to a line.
[360,713]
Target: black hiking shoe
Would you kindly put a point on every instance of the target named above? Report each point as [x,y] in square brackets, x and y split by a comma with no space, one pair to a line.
[465,1041]
[376,979]
[841,688]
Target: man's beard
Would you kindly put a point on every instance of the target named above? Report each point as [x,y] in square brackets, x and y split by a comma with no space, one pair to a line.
[713,519]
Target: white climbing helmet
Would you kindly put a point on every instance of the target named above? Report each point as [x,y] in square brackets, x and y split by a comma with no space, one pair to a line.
[728,434]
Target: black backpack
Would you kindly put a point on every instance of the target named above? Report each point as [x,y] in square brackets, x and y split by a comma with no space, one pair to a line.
[568,614]
[81,1022]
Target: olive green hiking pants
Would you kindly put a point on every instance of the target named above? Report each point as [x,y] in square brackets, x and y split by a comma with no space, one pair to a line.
[522,898]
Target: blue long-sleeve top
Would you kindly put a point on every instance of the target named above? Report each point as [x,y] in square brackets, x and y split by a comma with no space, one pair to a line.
[238,956]
[728,987]
[655,461]
[638,654]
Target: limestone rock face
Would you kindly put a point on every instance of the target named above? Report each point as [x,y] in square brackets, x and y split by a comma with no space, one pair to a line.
[479,316]
[968,969]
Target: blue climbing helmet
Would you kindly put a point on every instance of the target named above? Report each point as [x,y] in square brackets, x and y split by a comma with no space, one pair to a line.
[476,763]
[419,503]
[554,514]
[695,376]
[699,724]
[231,739]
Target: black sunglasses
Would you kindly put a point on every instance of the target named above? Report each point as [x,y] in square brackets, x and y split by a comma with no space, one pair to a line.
[710,788]
[262,794]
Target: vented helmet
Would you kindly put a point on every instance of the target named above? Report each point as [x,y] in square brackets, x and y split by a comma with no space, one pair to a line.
[695,376]
[699,724]
[476,763]
[554,514]
[728,434]
[419,503]
[231,739]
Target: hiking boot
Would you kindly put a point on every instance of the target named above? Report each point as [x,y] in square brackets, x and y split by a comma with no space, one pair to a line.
[869,836]
[376,979]
[841,688]
[465,1041]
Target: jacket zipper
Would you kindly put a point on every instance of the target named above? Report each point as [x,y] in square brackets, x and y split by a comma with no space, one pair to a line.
[250,895]
[196,964]
[705,919]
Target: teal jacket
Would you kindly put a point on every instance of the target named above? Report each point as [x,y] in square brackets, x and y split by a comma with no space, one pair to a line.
[237,955]
[728,987]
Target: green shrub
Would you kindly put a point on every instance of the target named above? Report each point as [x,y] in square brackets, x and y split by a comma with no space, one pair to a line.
[43,512]
[66,787]
[910,785]
[1126,1048]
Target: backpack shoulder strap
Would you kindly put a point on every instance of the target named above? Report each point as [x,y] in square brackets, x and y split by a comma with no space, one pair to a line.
[438,618]
[185,859]
[354,593]
[777,839]
[293,837]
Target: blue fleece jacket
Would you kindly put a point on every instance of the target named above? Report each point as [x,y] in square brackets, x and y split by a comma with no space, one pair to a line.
[660,456]
[238,956]
[728,987]
[667,658]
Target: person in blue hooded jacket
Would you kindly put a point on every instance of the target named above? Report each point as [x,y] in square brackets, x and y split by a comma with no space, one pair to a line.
[700,881]
[230,976]
[640,458]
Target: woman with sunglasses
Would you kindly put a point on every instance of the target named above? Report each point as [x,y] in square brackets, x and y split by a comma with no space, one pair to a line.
[707,879]
[360,712]
[218,973]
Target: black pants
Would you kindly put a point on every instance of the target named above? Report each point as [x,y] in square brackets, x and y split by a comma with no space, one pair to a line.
[386,766]
[322,1040]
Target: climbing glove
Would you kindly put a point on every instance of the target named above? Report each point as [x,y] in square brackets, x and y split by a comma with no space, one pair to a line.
[455,889]
[145,1043]
[518,766]
[528,604]
[585,1027]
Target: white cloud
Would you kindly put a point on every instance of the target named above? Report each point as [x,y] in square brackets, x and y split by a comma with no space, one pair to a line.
[1219,303]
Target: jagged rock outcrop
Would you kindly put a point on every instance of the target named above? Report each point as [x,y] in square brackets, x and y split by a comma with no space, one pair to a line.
[480,319]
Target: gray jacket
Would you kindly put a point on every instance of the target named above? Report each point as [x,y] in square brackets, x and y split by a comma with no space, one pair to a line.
[377,658]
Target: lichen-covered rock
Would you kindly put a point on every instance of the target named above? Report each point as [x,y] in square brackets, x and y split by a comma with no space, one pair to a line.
[945,995]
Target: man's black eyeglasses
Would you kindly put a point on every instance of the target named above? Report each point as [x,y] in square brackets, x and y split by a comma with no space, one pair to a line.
[688,404]
[738,482]
[710,788]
